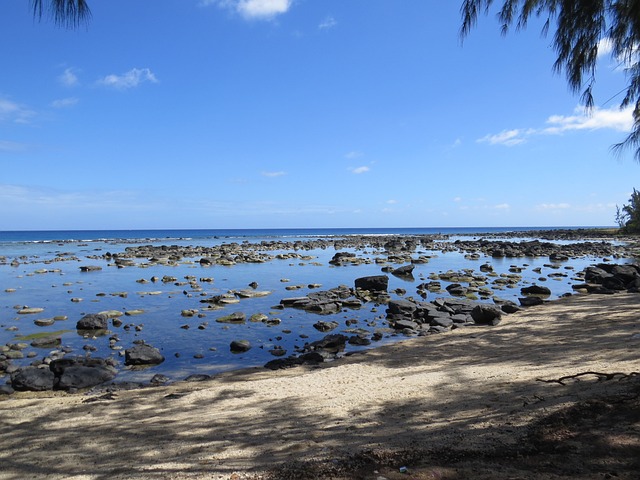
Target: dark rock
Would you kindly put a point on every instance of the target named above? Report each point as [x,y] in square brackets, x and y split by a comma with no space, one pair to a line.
[438,329]
[93,321]
[240,346]
[535,290]
[325,326]
[143,355]
[626,273]
[90,268]
[324,307]
[359,340]
[312,357]
[80,376]
[32,379]
[460,318]
[509,307]
[595,275]
[445,322]
[483,314]
[198,377]
[332,343]
[59,365]
[403,324]
[530,301]
[614,283]
[6,390]
[374,283]
[342,257]
[401,307]
[456,289]
[404,271]
[159,379]
[280,363]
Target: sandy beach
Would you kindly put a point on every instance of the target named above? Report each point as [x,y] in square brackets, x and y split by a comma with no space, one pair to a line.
[459,405]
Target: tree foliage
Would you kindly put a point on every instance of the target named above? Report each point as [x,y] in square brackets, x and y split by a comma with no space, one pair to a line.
[628,217]
[67,13]
[581,27]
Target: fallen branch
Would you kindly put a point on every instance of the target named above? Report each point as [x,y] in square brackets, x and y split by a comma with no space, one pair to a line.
[601,376]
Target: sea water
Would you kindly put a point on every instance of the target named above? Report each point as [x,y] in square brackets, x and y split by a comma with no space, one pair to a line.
[45,277]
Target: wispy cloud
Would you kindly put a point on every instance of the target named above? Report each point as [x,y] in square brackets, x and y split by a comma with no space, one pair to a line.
[130,79]
[353,154]
[14,112]
[598,119]
[553,206]
[253,9]
[65,102]
[612,118]
[68,78]
[273,174]
[605,47]
[359,170]
[506,137]
[328,22]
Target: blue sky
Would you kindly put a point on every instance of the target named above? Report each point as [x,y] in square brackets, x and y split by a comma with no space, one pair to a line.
[298,113]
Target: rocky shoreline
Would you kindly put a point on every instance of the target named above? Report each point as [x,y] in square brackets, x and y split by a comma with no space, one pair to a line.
[462,298]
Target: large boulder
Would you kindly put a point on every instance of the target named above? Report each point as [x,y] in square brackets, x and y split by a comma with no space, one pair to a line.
[81,376]
[240,346]
[536,290]
[596,275]
[483,314]
[373,283]
[93,321]
[401,307]
[143,355]
[32,379]
[404,271]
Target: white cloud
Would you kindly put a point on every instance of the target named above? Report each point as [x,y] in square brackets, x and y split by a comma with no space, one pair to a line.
[612,118]
[328,22]
[64,102]
[599,118]
[273,174]
[253,9]
[130,79]
[69,78]
[14,112]
[359,170]
[502,206]
[392,202]
[605,47]
[506,137]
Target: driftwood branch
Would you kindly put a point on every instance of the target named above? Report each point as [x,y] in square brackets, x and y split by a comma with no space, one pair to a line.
[601,376]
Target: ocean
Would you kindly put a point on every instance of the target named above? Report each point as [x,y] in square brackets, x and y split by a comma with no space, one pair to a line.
[42,269]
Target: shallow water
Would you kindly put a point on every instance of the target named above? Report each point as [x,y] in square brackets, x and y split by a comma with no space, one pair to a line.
[63,290]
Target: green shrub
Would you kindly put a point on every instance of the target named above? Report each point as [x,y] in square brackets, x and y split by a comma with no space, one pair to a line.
[628,217]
